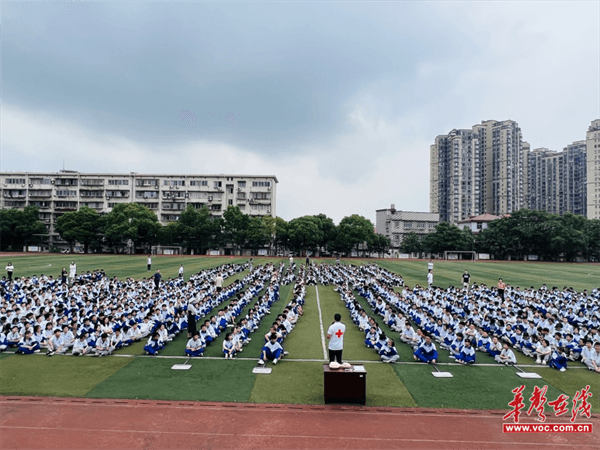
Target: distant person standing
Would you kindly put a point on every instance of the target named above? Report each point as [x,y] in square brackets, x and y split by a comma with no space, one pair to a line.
[291,260]
[501,288]
[64,275]
[307,260]
[466,279]
[429,278]
[219,282]
[157,277]
[72,272]
[180,271]
[335,334]
[9,270]
[149,263]
[430,265]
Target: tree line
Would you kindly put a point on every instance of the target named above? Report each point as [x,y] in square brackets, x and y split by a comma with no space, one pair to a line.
[196,231]
[525,232]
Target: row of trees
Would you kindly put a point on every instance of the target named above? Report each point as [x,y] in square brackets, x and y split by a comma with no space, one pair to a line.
[525,232]
[136,225]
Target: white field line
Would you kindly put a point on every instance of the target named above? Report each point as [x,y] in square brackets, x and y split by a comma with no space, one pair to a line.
[321,324]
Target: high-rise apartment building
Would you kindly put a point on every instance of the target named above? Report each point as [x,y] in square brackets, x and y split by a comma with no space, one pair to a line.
[593,170]
[166,195]
[478,170]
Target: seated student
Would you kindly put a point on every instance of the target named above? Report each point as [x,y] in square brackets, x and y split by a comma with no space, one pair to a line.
[38,335]
[506,356]
[116,340]
[558,359]
[228,346]
[195,346]
[589,354]
[80,346]
[495,347]
[28,344]
[381,341]
[467,354]
[388,352]
[68,337]
[409,336]
[103,347]
[456,346]
[153,345]
[126,336]
[3,342]
[426,352]
[272,351]
[543,352]
[13,337]
[573,347]
[371,337]
[56,344]
[483,342]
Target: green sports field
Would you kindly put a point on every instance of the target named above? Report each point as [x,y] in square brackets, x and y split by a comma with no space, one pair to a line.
[297,379]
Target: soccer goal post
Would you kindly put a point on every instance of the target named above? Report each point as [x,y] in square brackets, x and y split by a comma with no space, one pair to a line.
[454,255]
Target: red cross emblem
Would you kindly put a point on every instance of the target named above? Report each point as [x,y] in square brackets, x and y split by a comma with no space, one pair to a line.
[339,333]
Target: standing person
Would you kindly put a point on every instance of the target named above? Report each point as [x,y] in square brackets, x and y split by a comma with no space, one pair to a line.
[430,265]
[9,270]
[335,334]
[291,260]
[157,277]
[181,271]
[466,278]
[191,319]
[64,275]
[307,260]
[430,278]
[501,287]
[219,282]
[72,272]
[149,262]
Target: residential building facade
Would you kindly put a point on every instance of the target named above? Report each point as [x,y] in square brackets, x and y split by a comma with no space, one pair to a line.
[396,225]
[593,170]
[166,195]
[477,170]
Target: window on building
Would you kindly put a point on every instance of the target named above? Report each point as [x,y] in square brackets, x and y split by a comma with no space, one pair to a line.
[118,182]
[261,184]
[241,184]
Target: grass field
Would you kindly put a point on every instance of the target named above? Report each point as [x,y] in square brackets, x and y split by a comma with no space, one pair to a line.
[298,379]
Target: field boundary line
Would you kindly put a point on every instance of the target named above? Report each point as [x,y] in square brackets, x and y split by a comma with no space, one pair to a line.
[321,324]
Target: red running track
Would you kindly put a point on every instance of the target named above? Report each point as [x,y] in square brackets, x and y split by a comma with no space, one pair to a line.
[61,423]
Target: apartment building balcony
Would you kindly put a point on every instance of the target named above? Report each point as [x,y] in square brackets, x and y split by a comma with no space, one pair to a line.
[40,194]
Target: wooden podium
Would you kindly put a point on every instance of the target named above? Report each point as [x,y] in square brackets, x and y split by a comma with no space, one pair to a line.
[345,385]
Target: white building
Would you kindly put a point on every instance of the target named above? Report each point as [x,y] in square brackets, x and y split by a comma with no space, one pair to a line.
[166,195]
[477,223]
[396,225]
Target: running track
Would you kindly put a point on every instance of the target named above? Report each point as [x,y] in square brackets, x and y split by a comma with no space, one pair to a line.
[69,423]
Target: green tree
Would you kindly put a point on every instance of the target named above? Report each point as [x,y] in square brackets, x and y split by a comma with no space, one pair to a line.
[447,236]
[18,227]
[131,221]
[412,244]
[304,233]
[328,232]
[235,227]
[282,237]
[258,234]
[83,226]
[353,231]
[379,244]
[195,229]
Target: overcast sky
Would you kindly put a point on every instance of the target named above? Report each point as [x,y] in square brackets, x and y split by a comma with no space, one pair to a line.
[340,101]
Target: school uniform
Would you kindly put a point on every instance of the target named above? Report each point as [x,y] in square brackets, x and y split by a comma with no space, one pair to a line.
[24,345]
[558,361]
[467,355]
[389,354]
[152,347]
[426,352]
[80,347]
[509,357]
[194,347]
[227,348]
[272,351]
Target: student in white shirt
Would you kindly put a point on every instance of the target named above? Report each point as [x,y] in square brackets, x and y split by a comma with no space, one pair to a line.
[506,356]
[335,335]
[272,351]
[81,347]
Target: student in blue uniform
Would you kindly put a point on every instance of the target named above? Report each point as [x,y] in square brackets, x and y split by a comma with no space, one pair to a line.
[389,353]
[28,344]
[195,346]
[272,351]
[467,354]
[558,360]
[153,344]
[426,351]
[228,346]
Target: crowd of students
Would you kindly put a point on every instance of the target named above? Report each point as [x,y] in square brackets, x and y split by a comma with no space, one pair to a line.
[98,315]
[550,325]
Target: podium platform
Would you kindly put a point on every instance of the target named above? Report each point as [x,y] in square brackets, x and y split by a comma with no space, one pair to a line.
[345,385]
